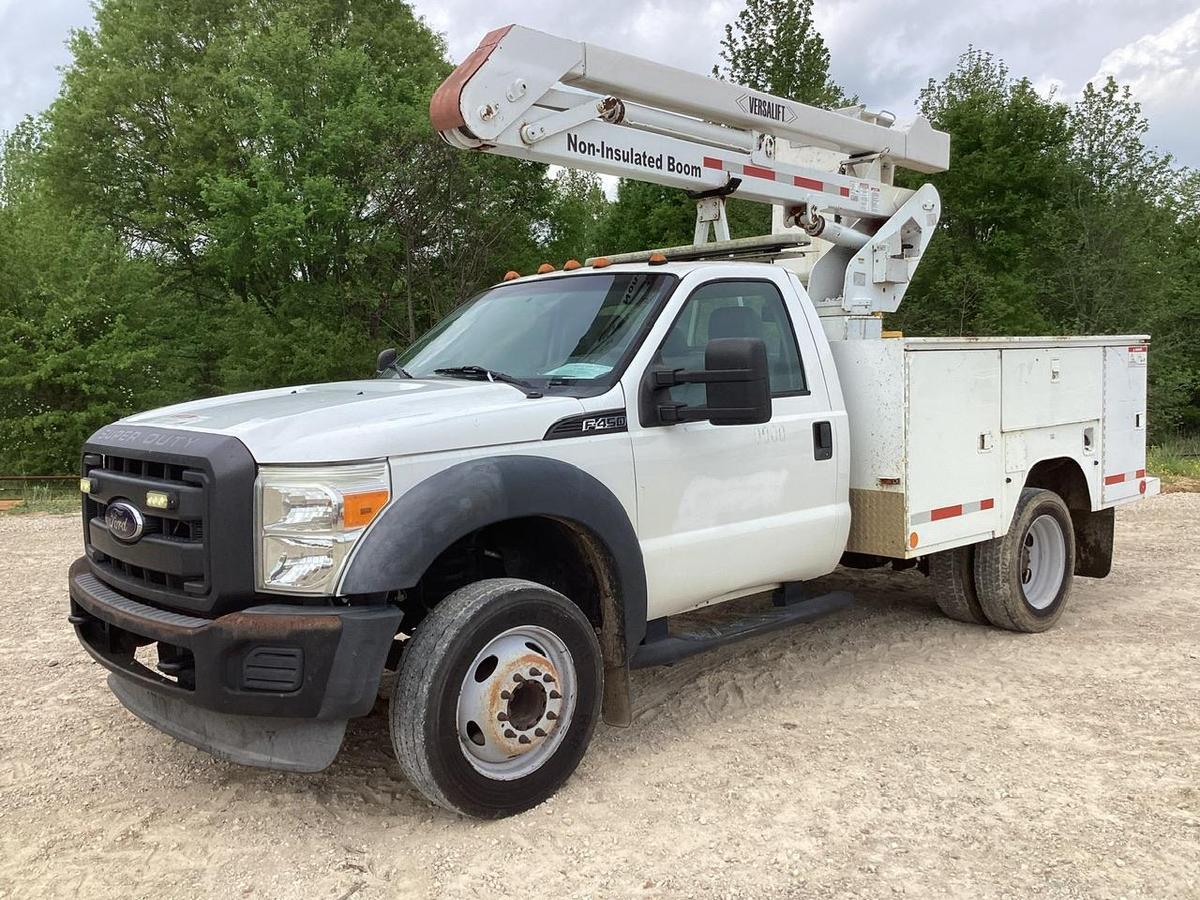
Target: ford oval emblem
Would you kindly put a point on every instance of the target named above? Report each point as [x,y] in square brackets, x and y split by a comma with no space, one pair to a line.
[125,522]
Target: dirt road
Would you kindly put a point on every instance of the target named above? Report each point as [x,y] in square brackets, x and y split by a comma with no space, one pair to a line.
[883,751]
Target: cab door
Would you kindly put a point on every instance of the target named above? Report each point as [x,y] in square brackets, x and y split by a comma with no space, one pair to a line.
[726,508]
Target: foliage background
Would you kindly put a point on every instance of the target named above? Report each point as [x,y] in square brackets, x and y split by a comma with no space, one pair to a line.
[246,193]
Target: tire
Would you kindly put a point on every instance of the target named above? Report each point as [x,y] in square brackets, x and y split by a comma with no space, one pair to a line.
[1023,579]
[953,575]
[490,734]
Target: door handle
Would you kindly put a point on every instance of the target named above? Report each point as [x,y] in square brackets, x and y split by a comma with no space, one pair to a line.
[822,440]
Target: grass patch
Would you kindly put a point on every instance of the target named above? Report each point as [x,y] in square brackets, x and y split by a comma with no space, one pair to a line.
[1176,462]
[32,497]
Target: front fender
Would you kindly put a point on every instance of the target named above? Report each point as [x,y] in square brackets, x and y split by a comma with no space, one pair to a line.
[414,530]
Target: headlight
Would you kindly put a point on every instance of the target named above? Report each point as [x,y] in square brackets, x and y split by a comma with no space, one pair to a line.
[309,519]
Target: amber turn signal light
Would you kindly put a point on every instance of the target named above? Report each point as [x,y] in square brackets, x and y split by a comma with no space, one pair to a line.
[360,508]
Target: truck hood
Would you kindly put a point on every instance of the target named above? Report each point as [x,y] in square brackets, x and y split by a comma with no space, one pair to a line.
[354,420]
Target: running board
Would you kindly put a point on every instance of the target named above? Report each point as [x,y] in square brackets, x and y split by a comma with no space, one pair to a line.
[672,648]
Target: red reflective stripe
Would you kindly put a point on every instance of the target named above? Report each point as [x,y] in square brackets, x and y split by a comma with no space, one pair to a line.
[946,512]
[1140,473]
[712,163]
[845,192]
[987,504]
[1138,349]
[1114,479]
[758,172]
[810,183]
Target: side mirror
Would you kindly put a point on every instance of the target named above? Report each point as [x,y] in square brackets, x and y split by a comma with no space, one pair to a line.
[387,359]
[743,398]
[737,387]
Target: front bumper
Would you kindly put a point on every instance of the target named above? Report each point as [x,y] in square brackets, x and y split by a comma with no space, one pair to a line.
[239,685]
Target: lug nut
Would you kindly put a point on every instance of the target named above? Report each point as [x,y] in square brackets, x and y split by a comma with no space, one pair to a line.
[517,676]
[551,715]
[523,739]
[548,678]
[503,716]
[505,695]
[509,733]
[535,672]
[555,695]
[539,732]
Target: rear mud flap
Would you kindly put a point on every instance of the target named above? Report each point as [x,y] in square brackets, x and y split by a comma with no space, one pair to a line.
[289,745]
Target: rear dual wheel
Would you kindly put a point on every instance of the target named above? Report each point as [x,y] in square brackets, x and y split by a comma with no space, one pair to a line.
[953,575]
[496,698]
[1020,581]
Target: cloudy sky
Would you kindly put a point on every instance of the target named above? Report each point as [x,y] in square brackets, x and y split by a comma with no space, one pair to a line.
[1153,45]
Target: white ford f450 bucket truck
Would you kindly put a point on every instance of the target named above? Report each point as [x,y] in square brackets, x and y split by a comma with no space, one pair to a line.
[511,512]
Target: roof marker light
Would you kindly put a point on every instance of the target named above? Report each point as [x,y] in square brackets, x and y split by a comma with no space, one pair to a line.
[570,265]
[510,275]
[601,262]
[544,268]
[657,259]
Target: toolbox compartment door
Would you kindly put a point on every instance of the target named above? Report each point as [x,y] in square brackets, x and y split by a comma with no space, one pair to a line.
[954,452]
[1051,386]
[1124,439]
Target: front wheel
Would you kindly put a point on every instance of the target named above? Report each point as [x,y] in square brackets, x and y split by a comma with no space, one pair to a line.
[1023,579]
[496,698]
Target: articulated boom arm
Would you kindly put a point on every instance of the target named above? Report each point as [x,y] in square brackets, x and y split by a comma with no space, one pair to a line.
[530,95]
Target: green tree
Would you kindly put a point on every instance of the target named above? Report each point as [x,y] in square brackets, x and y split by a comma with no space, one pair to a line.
[88,333]
[1175,355]
[275,156]
[1109,137]
[646,216]
[1125,247]
[578,207]
[774,46]
[1059,219]
[237,194]
[987,270]
[1113,224]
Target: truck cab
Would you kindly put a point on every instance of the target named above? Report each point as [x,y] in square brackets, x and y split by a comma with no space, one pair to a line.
[556,428]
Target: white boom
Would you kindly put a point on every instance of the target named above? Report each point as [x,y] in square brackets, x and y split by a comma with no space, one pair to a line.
[531,95]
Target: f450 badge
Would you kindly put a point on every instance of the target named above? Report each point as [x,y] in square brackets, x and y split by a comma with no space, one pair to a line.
[604,423]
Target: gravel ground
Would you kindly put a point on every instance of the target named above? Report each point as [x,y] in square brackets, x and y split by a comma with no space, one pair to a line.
[882,751]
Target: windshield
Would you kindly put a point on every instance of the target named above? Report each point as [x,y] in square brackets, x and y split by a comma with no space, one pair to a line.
[570,330]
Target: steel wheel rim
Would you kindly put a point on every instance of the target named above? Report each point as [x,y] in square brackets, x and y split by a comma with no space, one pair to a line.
[1043,561]
[516,702]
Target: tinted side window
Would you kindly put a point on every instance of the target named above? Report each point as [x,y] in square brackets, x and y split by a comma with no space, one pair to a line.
[725,309]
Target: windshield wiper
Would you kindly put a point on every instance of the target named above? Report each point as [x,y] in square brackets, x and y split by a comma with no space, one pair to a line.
[479,373]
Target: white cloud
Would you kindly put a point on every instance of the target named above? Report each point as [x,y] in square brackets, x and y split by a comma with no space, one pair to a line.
[1048,86]
[33,40]
[1163,71]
